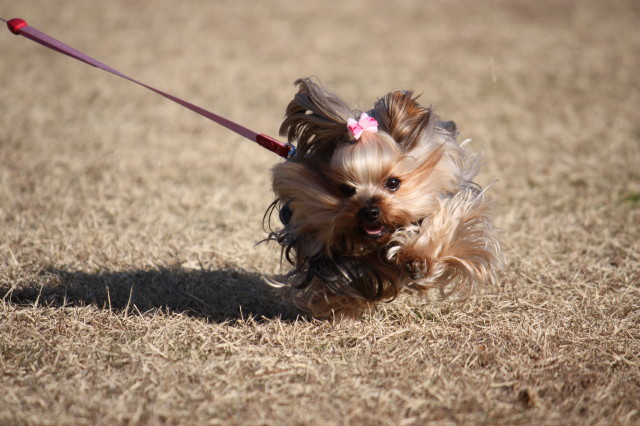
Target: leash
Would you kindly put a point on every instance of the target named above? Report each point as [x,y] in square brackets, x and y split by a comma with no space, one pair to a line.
[20,27]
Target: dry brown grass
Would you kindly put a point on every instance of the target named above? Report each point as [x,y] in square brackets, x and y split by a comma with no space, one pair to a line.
[129,274]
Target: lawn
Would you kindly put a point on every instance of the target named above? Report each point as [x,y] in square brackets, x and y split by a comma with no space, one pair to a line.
[131,275]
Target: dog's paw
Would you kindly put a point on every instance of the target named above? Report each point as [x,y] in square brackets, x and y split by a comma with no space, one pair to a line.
[417,268]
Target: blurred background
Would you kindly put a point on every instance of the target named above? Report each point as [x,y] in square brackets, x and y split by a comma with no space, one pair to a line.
[111,196]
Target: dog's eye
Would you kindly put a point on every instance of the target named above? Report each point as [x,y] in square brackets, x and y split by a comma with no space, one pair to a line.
[347,190]
[392,184]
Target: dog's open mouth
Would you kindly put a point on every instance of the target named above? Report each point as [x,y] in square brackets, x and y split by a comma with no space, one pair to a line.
[374,231]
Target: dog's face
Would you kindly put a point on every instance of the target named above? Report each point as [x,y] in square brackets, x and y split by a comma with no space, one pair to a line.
[354,202]
[349,196]
[374,186]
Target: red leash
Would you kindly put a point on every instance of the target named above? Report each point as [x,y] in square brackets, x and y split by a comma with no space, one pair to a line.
[20,27]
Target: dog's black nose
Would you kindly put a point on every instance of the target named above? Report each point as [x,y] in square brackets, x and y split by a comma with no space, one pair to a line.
[370,214]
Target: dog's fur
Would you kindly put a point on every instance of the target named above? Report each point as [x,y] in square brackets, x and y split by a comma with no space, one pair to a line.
[395,210]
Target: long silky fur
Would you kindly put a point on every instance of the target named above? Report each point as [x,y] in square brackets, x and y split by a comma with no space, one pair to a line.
[437,232]
[315,119]
[365,281]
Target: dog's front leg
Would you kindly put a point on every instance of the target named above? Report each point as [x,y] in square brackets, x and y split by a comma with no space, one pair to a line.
[452,249]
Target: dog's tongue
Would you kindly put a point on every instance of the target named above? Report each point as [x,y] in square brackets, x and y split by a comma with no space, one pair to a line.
[374,230]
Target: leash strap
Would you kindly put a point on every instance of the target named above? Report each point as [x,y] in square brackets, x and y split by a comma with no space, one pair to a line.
[20,27]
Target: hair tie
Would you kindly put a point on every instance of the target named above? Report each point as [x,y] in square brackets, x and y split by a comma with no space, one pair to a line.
[364,124]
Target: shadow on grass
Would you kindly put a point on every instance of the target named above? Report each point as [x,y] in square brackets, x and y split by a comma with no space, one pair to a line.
[216,295]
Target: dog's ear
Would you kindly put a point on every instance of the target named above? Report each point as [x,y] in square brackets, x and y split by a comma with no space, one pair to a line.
[315,120]
[403,118]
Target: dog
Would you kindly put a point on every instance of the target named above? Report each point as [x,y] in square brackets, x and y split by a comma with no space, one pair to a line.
[376,203]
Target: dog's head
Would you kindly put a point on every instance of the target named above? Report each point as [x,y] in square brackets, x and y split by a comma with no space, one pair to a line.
[346,195]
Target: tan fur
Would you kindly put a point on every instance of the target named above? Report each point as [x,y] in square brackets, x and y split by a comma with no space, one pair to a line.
[430,232]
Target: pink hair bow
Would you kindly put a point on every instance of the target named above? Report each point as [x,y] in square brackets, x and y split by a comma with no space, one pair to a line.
[364,124]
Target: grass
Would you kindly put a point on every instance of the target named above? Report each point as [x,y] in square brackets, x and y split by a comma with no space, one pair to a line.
[130,280]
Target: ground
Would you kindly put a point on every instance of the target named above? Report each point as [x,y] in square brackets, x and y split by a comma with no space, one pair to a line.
[131,281]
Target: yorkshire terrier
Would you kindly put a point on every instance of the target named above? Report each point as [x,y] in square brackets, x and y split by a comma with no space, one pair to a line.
[378,202]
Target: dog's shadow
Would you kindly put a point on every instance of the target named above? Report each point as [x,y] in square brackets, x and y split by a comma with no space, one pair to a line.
[216,295]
